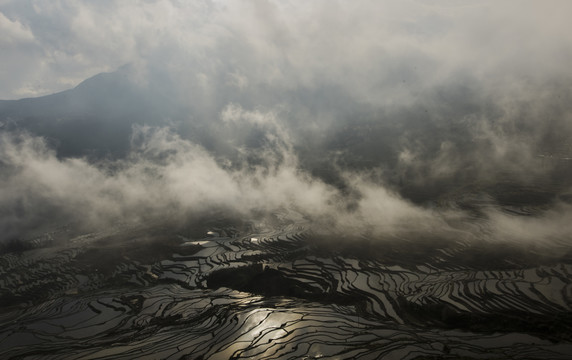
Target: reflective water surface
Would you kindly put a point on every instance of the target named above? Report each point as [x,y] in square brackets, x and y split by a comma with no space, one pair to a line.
[286,292]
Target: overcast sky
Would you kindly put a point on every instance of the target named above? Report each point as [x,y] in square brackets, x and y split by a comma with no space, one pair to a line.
[277,66]
[368,46]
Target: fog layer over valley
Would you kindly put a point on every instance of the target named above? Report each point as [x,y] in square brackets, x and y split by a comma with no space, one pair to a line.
[344,180]
[372,169]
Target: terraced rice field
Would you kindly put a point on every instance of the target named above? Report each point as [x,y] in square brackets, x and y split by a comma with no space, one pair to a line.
[283,292]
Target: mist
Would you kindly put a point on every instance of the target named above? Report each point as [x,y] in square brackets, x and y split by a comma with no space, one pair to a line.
[285,179]
[368,115]
[166,178]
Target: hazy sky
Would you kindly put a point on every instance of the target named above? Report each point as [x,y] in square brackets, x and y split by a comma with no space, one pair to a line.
[493,77]
[368,46]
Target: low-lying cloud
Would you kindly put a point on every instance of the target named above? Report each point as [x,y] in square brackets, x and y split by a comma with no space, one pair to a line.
[342,110]
[166,177]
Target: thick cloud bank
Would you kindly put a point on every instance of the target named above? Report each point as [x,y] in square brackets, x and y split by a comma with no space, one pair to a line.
[379,51]
[167,178]
[362,115]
